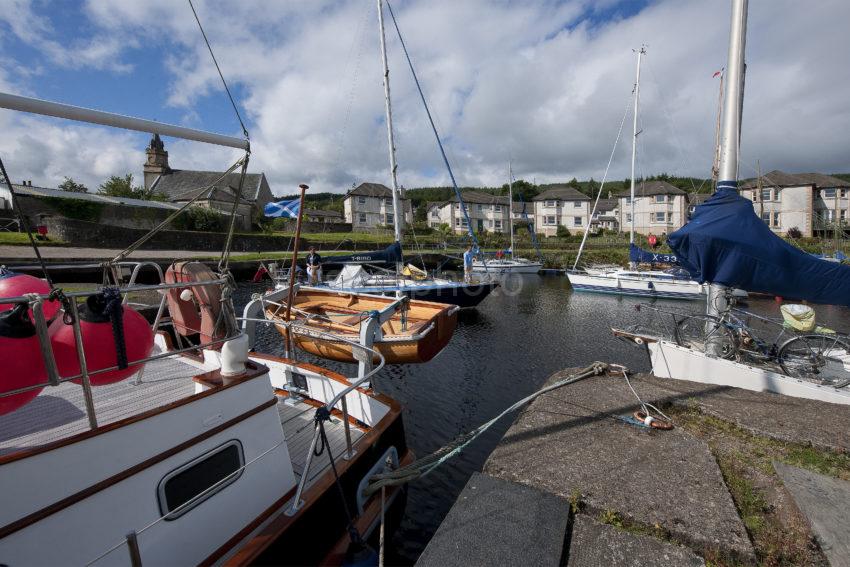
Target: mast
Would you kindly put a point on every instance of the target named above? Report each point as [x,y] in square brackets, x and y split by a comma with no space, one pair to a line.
[715,166]
[390,136]
[730,135]
[511,205]
[641,52]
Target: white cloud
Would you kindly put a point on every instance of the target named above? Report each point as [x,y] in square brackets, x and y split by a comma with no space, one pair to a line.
[538,81]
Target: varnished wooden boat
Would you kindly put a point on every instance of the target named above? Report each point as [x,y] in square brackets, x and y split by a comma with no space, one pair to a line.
[415,334]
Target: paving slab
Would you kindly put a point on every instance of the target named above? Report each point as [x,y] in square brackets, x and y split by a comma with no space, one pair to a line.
[593,544]
[809,422]
[495,522]
[567,442]
[825,501]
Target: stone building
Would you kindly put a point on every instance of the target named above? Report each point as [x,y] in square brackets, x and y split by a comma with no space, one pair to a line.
[487,213]
[181,185]
[659,208]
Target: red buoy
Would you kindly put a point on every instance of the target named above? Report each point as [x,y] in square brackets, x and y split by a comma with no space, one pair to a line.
[100,328]
[21,356]
[13,284]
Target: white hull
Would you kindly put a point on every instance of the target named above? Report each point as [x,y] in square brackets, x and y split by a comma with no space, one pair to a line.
[622,282]
[507,267]
[673,361]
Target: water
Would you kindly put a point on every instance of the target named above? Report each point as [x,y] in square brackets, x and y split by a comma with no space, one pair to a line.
[502,351]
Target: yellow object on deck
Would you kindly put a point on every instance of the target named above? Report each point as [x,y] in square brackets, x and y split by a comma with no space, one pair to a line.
[798,317]
[413,272]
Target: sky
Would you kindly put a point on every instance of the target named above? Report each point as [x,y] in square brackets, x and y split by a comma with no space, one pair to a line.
[543,84]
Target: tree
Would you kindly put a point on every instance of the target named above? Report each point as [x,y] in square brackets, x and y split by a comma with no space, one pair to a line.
[562,231]
[794,233]
[117,186]
[72,186]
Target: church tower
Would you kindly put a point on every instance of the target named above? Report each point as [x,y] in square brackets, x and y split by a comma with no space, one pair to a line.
[157,163]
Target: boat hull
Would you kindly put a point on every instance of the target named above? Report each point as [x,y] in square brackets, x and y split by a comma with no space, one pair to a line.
[507,267]
[430,326]
[611,284]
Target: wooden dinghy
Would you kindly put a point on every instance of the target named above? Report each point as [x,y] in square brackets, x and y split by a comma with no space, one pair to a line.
[415,334]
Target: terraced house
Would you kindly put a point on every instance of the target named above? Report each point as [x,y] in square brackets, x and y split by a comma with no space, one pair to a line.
[814,203]
[487,213]
[560,205]
[659,208]
[370,205]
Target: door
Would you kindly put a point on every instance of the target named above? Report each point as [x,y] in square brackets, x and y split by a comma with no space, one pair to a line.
[480,225]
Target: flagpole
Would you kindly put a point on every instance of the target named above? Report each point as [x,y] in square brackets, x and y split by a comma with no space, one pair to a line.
[289,295]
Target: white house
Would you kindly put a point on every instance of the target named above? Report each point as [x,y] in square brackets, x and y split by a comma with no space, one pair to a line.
[560,205]
[814,203]
[659,208]
[370,205]
[606,215]
[488,213]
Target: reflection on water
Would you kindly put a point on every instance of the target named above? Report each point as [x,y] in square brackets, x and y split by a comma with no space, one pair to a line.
[505,349]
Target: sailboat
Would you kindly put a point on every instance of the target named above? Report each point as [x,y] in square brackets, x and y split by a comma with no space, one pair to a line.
[404,280]
[643,283]
[728,246]
[512,265]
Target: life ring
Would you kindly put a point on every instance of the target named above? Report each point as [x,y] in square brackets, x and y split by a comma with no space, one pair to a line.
[194,310]
[654,422]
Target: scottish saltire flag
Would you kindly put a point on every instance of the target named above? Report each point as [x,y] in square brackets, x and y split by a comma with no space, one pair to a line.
[287,209]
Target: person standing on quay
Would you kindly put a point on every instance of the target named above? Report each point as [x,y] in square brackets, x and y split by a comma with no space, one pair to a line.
[467,263]
[314,267]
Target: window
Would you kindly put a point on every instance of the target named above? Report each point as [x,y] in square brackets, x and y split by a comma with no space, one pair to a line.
[843,214]
[660,216]
[550,203]
[497,208]
[628,217]
[361,218]
[549,220]
[361,200]
[576,204]
[661,198]
[628,200]
[776,219]
[765,194]
[777,194]
[765,216]
[461,222]
[220,467]
[480,208]
[828,193]
[497,224]
[435,213]
[576,221]
[390,218]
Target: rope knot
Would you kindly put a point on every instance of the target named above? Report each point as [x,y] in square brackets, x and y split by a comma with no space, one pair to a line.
[322,414]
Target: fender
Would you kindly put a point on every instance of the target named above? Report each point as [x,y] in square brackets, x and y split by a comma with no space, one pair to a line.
[198,311]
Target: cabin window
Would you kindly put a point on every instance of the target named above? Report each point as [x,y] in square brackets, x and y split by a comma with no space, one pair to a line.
[361,218]
[550,203]
[576,221]
[660,198]
[828,193]
[390,218]
[361,200]
[184,488]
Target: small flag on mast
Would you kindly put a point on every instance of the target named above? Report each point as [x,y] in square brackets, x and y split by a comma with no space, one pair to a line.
[288,209]
[716,73]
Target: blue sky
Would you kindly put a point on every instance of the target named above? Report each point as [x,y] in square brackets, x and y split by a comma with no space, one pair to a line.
[545,82]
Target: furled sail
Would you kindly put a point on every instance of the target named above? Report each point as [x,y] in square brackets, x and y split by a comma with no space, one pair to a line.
[641,256]
[726,243]
[389,255]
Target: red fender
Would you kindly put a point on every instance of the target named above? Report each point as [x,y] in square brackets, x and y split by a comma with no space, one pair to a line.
[198,314]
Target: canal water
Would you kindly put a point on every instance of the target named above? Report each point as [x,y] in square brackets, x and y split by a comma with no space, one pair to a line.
[501,351]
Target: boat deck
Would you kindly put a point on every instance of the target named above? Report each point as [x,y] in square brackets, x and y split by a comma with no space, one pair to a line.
[59,412]
[297,421]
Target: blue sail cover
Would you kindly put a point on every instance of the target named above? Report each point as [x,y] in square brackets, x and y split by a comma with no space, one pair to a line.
[726,243]
[641,256]
[389,255]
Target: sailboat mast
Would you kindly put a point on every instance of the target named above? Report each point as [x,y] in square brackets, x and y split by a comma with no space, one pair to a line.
[641,51]
[511,204]
[730,136]
[397,213]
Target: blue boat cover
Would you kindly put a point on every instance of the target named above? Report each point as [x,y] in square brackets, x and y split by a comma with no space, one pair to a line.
[639,255]
[389,255]
[727,243]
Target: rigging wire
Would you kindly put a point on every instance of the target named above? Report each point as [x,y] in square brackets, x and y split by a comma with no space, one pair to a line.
[434,128]
[357,50]
[220,74]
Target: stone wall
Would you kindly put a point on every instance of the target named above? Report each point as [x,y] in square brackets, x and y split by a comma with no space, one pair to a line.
[76,209]
[96,235]
[308,226]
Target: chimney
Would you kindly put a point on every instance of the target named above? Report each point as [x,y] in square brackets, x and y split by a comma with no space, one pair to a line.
[157,162]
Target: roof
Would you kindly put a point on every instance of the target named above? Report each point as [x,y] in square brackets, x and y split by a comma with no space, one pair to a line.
[183,184]
[648,188]
[824,181]
[560,191]
[322,213]
[607,205]
[478,197]
[778,178]
[371,190]
[94,197]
